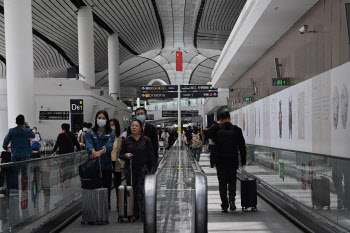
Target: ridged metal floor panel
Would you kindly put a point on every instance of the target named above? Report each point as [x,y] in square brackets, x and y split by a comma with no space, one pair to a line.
[266,219]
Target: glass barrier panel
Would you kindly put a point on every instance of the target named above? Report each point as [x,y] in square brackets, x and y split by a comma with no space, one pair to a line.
[30,190]
[319,182]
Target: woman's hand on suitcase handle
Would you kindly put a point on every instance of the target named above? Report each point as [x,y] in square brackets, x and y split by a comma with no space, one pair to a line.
[96,154]
[129,155]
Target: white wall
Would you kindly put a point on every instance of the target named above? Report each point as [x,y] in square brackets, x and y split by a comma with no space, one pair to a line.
[50,96]
[311,116]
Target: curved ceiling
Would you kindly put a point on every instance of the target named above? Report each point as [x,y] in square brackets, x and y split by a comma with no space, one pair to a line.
[149,32]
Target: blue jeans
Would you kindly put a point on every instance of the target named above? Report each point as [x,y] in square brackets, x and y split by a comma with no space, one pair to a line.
[196,153]
[15,171]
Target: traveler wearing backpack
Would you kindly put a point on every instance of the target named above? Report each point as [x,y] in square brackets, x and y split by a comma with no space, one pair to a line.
[197,143]
[188,135]
[229,139]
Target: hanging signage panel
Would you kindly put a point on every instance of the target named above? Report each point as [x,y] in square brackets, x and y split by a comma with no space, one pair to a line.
[146,89]
[76,106]
[54,115]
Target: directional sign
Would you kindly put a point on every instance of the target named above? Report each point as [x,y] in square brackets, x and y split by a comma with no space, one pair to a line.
[145,89]
[158,95]
[53,115]
[280,81]
[197,88]
[150,117]
[199,94]
[184,113]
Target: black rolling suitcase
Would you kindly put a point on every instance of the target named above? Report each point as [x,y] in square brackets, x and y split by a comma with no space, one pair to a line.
[320,192]
[95,208]
[248,193]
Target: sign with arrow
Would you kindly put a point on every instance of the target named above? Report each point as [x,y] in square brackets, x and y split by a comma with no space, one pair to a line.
[158,95]
[199,94]
[197,88]
[145,89]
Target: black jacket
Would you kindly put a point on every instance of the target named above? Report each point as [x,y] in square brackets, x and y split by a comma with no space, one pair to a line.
[213,130]
[151,132]
[228,141]
[66,142]
[142,151]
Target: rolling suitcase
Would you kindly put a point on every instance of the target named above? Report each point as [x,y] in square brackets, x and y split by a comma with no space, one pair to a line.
[320,192]
[248,193]
[126,201]
[95,204]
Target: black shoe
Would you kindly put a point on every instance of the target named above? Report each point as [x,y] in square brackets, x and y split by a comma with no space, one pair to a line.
[232,206]
[224,210]
[211,166]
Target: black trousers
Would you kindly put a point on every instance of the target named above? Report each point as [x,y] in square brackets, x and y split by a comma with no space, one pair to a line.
[138,184]
[107,182]
[212,155]
[227,178]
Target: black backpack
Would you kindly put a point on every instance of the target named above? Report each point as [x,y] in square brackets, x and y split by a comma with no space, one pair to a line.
[225,142]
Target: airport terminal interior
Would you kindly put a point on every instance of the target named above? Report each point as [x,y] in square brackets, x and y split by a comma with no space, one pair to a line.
[188,116]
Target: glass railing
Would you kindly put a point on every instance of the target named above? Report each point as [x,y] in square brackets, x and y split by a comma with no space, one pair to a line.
[31,189]
[176,196]
[319,182]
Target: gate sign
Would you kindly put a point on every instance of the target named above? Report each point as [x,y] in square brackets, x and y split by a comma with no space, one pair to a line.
[76,106]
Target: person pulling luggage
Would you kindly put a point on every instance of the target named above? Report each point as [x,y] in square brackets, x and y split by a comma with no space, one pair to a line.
[229,139]
[99,143]
[139,148]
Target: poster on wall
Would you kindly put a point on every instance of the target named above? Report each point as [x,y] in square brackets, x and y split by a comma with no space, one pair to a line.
[340,129]
[266,121]
[321,124]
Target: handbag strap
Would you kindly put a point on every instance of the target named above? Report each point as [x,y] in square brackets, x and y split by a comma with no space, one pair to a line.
[69,139]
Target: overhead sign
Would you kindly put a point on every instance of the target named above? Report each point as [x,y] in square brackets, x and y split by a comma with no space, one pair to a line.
[197,88]
[199,94]
[184,113]
[54,115]
[280,81]
[76,106]
[150,117]
[159,88]
[158,95]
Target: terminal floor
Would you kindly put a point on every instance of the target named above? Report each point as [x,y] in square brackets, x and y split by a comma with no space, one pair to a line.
[266,219]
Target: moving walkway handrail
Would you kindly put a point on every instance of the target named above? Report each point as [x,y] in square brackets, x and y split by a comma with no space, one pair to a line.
[3,165]
[201,206]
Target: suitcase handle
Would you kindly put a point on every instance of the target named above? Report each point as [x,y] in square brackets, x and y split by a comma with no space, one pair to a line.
[99,161]
[131,170]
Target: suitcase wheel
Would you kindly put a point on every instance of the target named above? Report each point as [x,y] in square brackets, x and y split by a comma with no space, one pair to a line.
[328,208]
[82,222]
[120,219]
[131,219]
[254,208]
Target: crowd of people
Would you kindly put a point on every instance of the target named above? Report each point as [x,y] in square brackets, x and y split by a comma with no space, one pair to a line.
[135,151]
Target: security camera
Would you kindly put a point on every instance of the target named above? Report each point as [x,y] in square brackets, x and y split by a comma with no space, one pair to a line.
[60,84]
[305,29]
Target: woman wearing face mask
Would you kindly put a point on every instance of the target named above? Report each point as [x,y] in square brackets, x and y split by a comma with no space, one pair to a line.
[137,148]
[118,165]
[99,144]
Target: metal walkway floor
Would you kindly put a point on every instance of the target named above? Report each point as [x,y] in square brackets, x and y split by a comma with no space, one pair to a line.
[266,219]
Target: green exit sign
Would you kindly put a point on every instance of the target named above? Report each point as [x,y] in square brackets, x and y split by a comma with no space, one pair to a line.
[226,109]
[248,99]
[280,82]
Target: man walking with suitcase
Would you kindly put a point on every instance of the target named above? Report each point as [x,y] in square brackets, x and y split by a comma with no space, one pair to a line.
[228,141]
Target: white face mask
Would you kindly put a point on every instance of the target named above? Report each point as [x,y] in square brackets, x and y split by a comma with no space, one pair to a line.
[34,130]
[101,122]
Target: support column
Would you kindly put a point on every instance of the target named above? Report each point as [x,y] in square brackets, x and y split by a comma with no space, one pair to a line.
[113,66]
[19,60]
[138,102]
[86,45]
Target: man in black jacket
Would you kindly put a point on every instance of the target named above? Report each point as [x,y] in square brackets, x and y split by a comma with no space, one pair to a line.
[148,130]
[66,141]
[229,139]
